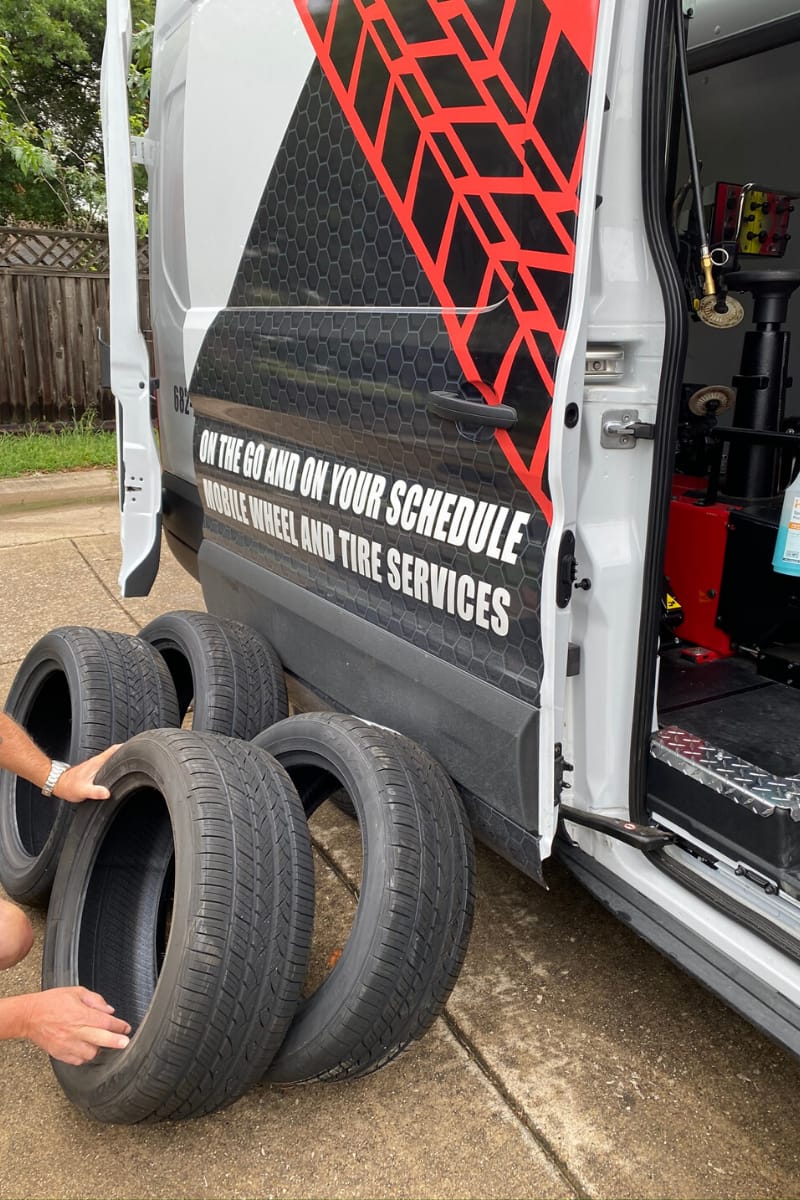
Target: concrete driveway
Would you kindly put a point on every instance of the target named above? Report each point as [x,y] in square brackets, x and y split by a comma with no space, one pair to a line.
[572,1060]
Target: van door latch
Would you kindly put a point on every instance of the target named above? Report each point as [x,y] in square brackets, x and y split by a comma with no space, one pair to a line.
[621,429]
[604,364]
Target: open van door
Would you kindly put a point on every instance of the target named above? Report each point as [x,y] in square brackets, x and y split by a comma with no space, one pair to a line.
[388,410]
[570,71]
[137,455]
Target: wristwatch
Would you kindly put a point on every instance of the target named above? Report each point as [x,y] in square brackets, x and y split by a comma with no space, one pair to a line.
[57,769]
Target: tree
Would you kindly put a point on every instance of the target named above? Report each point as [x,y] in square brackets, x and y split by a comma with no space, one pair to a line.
[50,136]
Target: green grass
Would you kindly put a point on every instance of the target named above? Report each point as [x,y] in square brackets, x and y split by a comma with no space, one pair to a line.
[72,448]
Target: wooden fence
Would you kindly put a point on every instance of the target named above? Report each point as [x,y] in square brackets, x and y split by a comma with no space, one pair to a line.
[53,299]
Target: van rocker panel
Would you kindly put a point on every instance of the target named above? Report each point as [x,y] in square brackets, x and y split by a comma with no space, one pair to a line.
[754,998]
[486,739]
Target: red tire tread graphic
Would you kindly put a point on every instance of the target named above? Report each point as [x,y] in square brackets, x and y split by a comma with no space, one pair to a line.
[498,102]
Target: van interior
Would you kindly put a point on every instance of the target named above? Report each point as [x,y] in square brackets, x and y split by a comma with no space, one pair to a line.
[724,767]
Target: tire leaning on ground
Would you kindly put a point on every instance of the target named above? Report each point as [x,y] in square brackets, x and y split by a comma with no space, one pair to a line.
[414,914]
[187,901]
[77,692]
[230,671]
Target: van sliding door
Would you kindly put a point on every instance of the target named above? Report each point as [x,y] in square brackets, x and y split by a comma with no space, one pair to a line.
[375,406]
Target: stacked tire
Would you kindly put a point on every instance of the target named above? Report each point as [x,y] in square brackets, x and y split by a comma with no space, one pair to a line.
[77,692]
[226,672]
[187,899]
[411,928]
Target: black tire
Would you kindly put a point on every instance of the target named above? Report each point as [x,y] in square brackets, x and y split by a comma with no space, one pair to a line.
[342,801]
[211,986]
[230,671]
[77,692]
[414,914]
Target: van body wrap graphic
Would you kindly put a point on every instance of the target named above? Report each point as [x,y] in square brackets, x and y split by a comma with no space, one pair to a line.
[415,236]
[513,194]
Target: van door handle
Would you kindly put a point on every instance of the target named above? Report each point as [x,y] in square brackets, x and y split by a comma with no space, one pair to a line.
[472,412]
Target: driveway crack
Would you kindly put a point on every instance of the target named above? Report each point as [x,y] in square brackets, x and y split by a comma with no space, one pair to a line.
[491,1076]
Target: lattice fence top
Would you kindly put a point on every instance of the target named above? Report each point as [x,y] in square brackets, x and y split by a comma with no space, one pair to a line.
[57,251]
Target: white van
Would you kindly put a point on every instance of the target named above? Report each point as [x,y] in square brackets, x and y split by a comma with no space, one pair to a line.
[474,395]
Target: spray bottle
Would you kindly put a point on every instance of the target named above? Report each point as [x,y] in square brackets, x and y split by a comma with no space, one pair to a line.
[786,558]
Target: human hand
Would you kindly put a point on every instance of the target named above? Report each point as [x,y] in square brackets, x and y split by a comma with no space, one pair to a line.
[77,783]
[72,1024]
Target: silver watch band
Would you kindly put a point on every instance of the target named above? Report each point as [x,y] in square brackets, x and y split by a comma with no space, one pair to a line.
[57,769]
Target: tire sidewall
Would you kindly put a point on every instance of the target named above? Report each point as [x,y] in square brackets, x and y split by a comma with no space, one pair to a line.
[24,872]
[98,1082]
[237,680]
[95,665]
[189,645]
[292,742]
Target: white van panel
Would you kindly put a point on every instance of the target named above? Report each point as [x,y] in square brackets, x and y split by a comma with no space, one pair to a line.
[248,62]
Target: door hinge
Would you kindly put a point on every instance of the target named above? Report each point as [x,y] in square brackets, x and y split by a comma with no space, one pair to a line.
[621,429]
[567,573]
[561,766]
[567,569]
[143,151]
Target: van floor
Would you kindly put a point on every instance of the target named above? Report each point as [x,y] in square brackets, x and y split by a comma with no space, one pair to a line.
[730,705]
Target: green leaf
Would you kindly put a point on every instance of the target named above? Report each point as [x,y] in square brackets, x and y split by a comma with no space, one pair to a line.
[50,135]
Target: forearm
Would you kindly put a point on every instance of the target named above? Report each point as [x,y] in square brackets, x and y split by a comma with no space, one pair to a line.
[18,753]
[13,1017]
